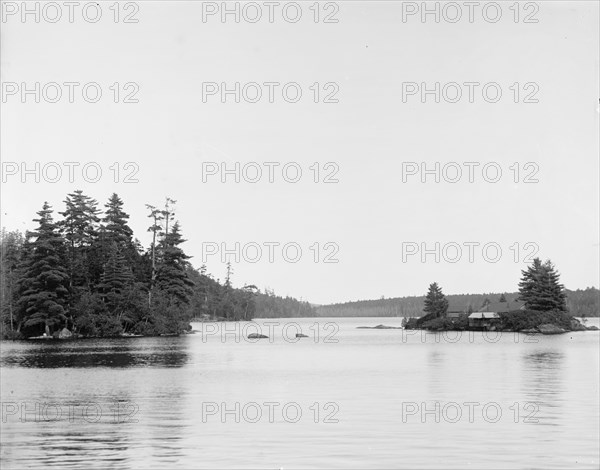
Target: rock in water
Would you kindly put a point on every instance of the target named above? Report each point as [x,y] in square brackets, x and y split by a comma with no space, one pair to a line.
[530,331]
[576,325]
[550,329]
[379,327]
[256,336]
[64,333]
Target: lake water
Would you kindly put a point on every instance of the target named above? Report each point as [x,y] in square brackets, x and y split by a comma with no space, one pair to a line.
[341,398]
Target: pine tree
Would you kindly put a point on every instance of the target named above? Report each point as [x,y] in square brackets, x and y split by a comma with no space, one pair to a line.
[168,213]
[11,256]
[227,303]
[228,274]
[435,301]
[80,229]
[115,223]
[116,277]
[43,286]
[502,298]
[171,276]
[559,296]
[116,231]
[540,288]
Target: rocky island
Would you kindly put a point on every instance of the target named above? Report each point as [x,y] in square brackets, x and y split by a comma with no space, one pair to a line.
[541,308]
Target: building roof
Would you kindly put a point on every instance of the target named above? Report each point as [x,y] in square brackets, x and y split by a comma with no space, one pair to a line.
[484,315]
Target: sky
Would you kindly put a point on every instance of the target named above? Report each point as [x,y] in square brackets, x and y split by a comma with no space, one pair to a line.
[363,226]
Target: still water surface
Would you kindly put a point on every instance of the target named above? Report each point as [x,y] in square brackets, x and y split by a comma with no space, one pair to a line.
[341,398]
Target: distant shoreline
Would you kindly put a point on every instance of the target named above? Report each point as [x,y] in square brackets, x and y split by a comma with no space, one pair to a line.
[580,302]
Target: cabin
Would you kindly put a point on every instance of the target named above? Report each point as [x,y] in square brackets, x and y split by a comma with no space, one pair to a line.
[484,320]
[487,318]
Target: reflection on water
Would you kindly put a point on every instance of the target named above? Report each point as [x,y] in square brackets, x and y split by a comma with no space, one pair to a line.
[126,352]
[544,385]
[544,360]
[69,448]
[142,402]
[544,372]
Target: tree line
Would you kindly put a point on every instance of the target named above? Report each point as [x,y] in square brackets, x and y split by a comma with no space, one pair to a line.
[85,271]
[579,303]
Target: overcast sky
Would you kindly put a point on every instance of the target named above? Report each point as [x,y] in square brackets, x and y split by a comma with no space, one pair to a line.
[370,135]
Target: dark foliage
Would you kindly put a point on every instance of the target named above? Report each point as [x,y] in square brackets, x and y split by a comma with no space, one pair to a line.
[43,284]
[435,301]
[86,273]
[528,319]
[540,288]
[269,305]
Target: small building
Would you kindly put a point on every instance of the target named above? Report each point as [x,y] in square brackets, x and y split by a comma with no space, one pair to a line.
[488,316]
[490,309]
[484,320]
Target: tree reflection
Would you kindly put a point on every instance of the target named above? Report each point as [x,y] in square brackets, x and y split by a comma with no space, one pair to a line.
[112,353]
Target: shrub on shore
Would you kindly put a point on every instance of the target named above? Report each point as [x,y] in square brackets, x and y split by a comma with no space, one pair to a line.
[527,319]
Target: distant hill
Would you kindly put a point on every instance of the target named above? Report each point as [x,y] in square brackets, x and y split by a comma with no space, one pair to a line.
[580,302]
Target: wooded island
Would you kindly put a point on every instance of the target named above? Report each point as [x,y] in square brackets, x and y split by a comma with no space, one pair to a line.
[86,275]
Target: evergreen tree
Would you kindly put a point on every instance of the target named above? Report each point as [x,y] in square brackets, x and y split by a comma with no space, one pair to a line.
[80,229]
[43,287]
[502,298]
[540,288]
[10,259]
[228,274]
[171,276]
[435,301]
[116,277]
[557,290]
[167,214]
[115,230]
[228,303]
[115,223]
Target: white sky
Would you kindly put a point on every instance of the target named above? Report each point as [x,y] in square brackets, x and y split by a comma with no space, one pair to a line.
[370,52]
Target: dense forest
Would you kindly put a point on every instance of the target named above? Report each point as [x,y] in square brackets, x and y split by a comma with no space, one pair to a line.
[579,303]
[84,273]
[269,305]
